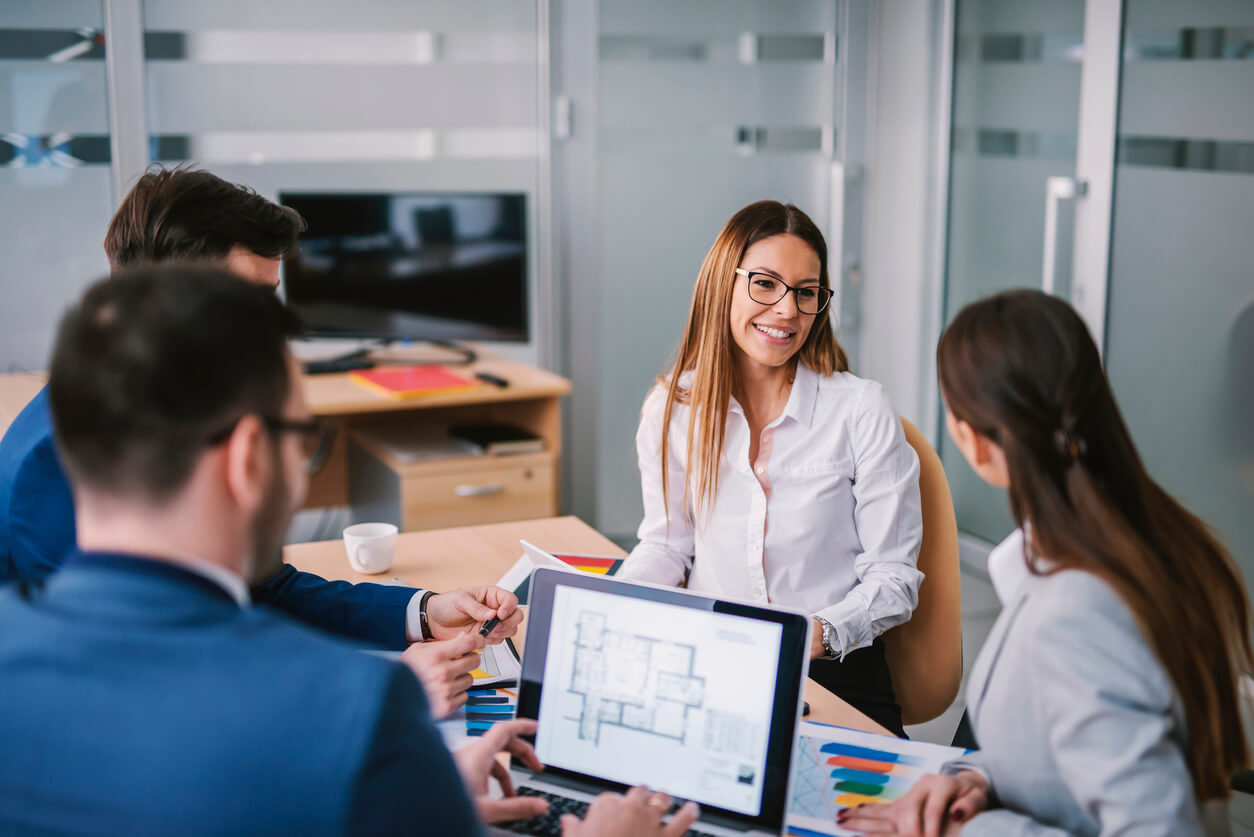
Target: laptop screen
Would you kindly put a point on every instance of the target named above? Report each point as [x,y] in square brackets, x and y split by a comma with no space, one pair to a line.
[638,685]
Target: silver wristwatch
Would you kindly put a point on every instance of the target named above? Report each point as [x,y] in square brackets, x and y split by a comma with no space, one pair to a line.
[830,639]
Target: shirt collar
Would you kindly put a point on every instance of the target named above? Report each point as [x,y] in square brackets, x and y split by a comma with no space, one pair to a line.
[801,398]
[1007,566]
[220,580]
[230,581]
[801,401]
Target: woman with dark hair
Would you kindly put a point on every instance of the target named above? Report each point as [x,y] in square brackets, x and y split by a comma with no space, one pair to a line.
[1106,697]
[787,478]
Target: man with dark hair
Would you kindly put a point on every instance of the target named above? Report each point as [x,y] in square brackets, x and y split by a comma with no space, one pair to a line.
[184,215]
[142,694]
[187,215]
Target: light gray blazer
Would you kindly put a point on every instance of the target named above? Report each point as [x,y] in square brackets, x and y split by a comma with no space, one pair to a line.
[1080,729]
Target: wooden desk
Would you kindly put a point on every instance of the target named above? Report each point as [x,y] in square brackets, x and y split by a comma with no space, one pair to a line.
[444,559]
[454,490]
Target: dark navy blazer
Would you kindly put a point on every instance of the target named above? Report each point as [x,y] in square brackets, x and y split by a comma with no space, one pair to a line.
[139,699]
[37,532]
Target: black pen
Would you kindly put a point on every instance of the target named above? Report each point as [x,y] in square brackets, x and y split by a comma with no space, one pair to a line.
[489,625]
[494,380]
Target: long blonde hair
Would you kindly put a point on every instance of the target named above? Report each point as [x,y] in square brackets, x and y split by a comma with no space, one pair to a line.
[706,347]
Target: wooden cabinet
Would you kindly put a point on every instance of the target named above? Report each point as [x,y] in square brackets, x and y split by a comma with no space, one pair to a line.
[454,491]
[458,491]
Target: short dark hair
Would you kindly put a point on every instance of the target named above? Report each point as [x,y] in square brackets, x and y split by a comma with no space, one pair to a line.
[152,363]
[186,214]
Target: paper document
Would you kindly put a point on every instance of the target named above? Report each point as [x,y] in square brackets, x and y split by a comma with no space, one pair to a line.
[518,578]
[499,664]
[836,768]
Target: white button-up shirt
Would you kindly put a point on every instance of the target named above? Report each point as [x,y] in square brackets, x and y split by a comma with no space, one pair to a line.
[826,520]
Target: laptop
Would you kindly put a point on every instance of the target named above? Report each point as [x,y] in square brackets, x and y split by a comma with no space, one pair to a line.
[635,684]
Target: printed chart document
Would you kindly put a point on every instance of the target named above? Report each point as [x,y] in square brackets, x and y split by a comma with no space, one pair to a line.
[499,665]
[641,692]
[518,578]
[836,768]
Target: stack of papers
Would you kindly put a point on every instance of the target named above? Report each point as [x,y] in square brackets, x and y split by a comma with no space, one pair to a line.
[410,442]
[494,697]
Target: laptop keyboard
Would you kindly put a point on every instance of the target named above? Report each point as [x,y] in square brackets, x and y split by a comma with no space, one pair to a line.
[551,823]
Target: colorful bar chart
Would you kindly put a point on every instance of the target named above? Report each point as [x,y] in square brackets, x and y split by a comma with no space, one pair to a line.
[595,564]
[862,775]
[836,768]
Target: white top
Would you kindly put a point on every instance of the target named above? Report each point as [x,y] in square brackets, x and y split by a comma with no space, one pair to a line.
[827,520]
[1007,566]
[229,580]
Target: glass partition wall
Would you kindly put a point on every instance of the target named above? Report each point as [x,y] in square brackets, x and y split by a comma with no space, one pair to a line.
[703,107]
[423,96]
[1104,150]
[55,168]
[396,96]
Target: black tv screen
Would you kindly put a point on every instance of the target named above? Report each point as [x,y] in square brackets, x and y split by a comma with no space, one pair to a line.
[415,266]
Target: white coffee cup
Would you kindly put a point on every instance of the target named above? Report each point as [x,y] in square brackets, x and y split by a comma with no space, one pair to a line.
[370,546]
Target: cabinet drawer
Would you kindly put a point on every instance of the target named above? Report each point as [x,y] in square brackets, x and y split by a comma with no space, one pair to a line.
[496,489]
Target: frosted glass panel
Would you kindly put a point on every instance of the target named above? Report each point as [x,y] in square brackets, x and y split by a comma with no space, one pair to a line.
[704,106]
[1180,337]
[1017,69]
[55,192]
[393,95]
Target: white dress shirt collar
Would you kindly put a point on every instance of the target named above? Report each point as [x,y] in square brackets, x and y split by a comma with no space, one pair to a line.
[1008,567]
[801,399]
[232,582]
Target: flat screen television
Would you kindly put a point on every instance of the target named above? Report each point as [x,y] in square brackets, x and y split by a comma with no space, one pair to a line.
[410,266]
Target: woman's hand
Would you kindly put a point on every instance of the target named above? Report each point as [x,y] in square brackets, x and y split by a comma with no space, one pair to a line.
[935,807]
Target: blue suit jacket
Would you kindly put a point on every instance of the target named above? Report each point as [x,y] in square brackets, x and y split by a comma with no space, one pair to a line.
[37,532]
[139,699]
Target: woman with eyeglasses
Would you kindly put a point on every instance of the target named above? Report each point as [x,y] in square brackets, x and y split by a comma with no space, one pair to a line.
[1106,699]
[772,474]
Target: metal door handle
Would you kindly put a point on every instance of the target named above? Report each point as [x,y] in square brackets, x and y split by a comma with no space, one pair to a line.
[1056,189]
[478,490]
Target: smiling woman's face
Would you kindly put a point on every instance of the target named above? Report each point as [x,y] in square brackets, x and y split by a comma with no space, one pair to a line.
[769,335]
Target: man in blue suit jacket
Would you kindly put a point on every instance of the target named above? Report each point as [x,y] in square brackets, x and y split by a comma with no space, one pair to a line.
[142,694]
[183,215]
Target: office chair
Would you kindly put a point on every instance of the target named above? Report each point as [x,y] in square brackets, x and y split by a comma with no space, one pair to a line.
[925,654]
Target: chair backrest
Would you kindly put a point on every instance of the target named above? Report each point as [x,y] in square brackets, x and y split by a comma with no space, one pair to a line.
[925,654]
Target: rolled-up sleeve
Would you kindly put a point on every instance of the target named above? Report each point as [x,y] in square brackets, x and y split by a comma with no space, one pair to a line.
[889,519]
[664,554]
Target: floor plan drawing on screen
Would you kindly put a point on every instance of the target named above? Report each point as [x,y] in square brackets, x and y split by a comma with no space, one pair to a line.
[637,691]
[634,681]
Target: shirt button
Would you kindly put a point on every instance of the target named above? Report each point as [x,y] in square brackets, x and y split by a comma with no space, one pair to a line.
[761,469]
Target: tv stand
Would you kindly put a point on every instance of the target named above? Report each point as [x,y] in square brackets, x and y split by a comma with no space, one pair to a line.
[347,362]
[365,357]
